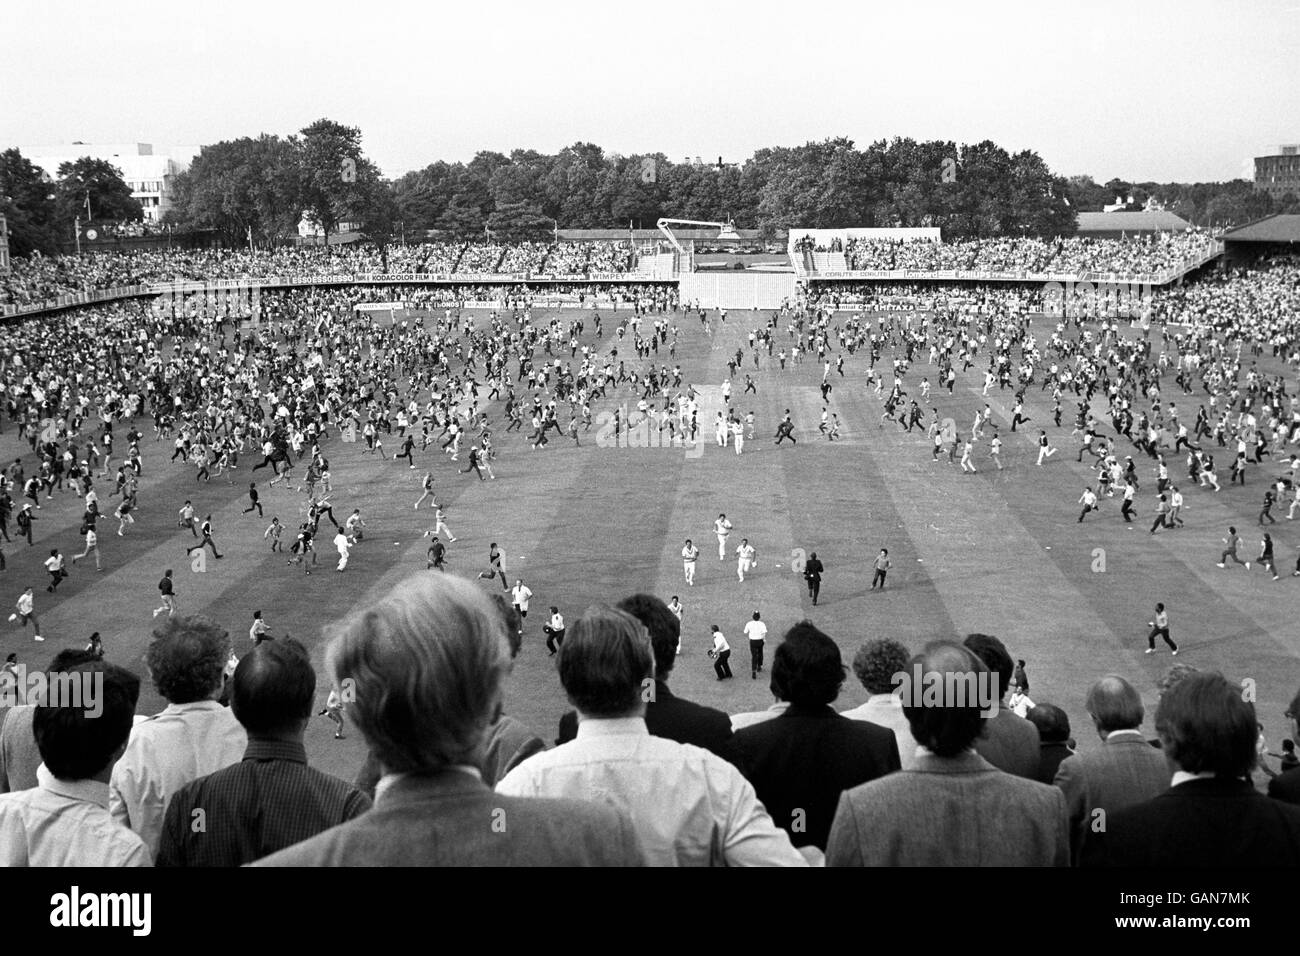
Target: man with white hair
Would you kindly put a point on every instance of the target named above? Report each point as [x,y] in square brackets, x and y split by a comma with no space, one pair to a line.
[427,663]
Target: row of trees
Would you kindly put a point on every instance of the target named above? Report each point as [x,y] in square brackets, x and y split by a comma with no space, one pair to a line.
[260,187]
[978,190]
[42,210]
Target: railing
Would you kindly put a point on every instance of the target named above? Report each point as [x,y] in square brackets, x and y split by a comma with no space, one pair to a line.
[54,303]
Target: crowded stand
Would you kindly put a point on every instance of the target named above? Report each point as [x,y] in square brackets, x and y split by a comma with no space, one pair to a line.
[37,279]
[1139,255]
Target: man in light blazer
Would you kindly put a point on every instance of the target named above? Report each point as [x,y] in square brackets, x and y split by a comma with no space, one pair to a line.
[1125,771]
[952,808]
[423,672]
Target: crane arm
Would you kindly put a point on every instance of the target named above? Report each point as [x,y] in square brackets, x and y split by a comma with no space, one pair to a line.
[728,229]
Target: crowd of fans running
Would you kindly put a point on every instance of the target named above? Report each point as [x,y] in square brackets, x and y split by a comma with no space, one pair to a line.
[37,279]
[1141,255]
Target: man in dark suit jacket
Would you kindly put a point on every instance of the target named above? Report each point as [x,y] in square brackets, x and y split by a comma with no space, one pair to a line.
[425,667]
[801,761]
[667,715]
[1211,816]
[1008,741]
[1286,786]
[952,808]
[1054,731]
[1125,771]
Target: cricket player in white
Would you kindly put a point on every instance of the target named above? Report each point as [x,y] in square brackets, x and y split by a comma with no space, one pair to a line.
[745,558]
[738,434]
[722,528]
[689,555]
[341,542]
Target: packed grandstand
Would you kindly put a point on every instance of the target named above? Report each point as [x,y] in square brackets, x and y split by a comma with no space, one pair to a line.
[37,280]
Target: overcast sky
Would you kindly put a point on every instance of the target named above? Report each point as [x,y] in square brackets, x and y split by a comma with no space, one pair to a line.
[1162,91]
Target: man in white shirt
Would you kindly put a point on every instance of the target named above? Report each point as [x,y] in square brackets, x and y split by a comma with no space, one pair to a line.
[191,738]
[876,665]
[24,611]
[722,528]
[690,554]
[744,558]
[756,631]
[688,806]
[554,631]
[519,595]
[342,545]
[64,820]
[678,611]
[721,654]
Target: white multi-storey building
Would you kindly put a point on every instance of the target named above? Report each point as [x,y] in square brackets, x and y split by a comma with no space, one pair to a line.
[148,173]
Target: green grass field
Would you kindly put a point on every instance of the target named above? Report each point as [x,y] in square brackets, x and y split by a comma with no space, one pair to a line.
[998,552]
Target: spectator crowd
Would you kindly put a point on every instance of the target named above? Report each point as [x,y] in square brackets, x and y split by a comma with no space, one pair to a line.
[644,777]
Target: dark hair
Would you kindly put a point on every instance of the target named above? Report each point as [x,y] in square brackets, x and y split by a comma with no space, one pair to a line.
[1053,723]
[1174,676]
[1020,677]
[273,687]
[662,624]
[994,654]
[604,661]
[807,669]
[1114,704]
[1206,726]
[187,658]
[78,742]
[67,659]
[876,663]
[942,726]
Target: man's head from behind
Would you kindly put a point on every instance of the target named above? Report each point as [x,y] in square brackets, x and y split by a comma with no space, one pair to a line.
[187,658]
[605,663]
[662,624]
[946,722]
[1053,723]
[994,655]
[1206,726]
[273,688]
[876,663]
[425,664]
[79,743]
[807,668]
[1114,704]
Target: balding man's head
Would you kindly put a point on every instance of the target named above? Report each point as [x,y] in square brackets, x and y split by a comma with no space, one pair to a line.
[943,707]
[1114,704]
